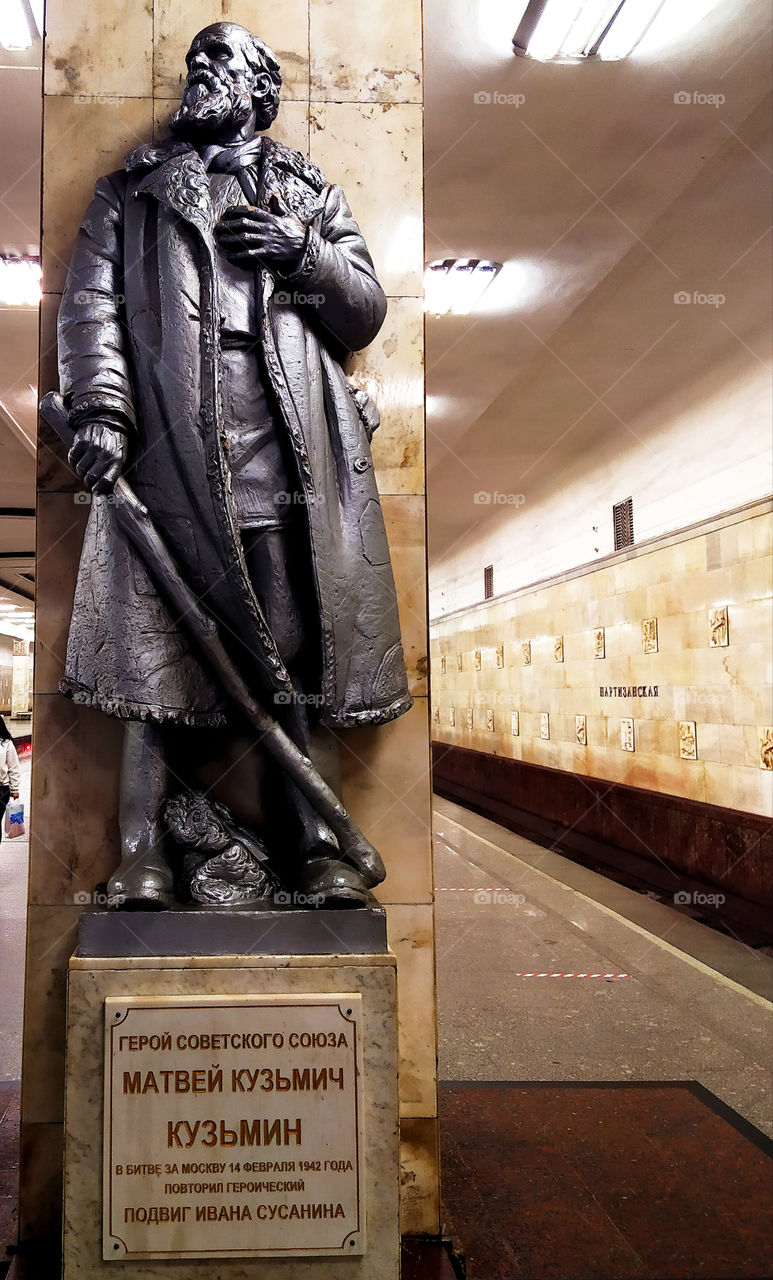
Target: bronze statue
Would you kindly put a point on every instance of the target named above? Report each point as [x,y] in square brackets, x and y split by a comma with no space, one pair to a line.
[217,283]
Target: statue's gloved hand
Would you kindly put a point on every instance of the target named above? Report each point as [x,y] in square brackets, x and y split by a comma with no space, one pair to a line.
[98,454]
[257,237]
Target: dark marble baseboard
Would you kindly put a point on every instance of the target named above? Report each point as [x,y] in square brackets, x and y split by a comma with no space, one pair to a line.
[649,832]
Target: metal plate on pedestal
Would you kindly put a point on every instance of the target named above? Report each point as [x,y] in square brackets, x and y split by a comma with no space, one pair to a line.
[233,1127]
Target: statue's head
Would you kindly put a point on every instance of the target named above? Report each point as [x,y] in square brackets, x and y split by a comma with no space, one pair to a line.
[231,76]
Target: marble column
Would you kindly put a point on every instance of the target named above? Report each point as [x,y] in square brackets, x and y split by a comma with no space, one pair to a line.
[353,102]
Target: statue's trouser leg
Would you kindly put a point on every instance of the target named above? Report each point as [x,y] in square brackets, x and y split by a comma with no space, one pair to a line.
[277,561]
[144,874]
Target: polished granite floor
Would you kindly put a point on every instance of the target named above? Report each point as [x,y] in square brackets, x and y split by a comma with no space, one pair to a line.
[604,1182]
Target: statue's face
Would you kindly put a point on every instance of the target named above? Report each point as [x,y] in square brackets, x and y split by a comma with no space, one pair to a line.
[220,85]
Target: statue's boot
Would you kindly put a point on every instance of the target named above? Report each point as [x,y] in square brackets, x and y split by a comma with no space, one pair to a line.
[144,878]
[328,882]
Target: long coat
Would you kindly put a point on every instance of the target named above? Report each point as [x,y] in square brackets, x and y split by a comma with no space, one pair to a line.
[138,335]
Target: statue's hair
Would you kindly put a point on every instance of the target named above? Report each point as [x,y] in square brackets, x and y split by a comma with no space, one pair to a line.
[263,61]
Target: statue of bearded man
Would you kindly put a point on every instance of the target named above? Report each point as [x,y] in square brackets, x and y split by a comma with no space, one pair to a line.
[216,285]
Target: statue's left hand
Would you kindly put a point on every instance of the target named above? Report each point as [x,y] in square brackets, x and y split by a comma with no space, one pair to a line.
[257,237]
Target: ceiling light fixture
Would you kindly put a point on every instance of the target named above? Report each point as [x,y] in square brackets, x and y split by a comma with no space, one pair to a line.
[21,24]
[453,286]
[583,29]
[19,281]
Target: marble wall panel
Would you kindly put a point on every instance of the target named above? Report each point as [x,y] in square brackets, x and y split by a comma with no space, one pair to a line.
[375,152]
[73,840]
[727,691]
[419,1193]
[103,49]
[365,52]
[83,141]
[284,27]
[386,788]
[392,372]
[410,930]
[404,519]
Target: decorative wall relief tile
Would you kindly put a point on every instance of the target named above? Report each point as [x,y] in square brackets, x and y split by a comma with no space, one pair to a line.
[477,660]
[581,731]
[500,655]
[766,748]
[599,643]
[515,724]
[469,718]
[558,648]
[443,665]
[452,716]
[544,725]
[719,634]
[627,740]
[649,635]
[458,662]
[436,714]
[688,742]
[526,653]
[490,720]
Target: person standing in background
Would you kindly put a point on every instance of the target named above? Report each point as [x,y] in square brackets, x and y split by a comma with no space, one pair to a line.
[9,771]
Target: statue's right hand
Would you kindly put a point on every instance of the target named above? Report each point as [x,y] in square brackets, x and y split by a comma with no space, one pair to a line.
[98,454]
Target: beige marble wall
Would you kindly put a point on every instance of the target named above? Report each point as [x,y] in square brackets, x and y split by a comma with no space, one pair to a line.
[353,102]
[684,627]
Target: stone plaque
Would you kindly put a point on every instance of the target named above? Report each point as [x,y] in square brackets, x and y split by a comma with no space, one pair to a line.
[233,1127]
[718,629]
[688,741]
[649,635]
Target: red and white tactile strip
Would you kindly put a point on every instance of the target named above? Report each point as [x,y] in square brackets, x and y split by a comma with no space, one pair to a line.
[572,975]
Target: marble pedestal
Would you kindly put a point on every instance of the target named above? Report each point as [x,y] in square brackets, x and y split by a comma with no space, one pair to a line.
[92,980]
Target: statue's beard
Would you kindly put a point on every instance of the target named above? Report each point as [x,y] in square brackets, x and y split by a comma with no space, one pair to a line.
[208,105]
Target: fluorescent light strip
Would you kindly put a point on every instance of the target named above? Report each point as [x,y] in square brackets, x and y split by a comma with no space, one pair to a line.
[572,29]
[20,280]
[21,24]
[456,286]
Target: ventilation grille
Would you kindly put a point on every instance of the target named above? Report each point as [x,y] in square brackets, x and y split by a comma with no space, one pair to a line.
[622,517]
[488,582]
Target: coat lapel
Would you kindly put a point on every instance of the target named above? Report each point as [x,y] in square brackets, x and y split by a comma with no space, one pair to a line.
[181,183]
